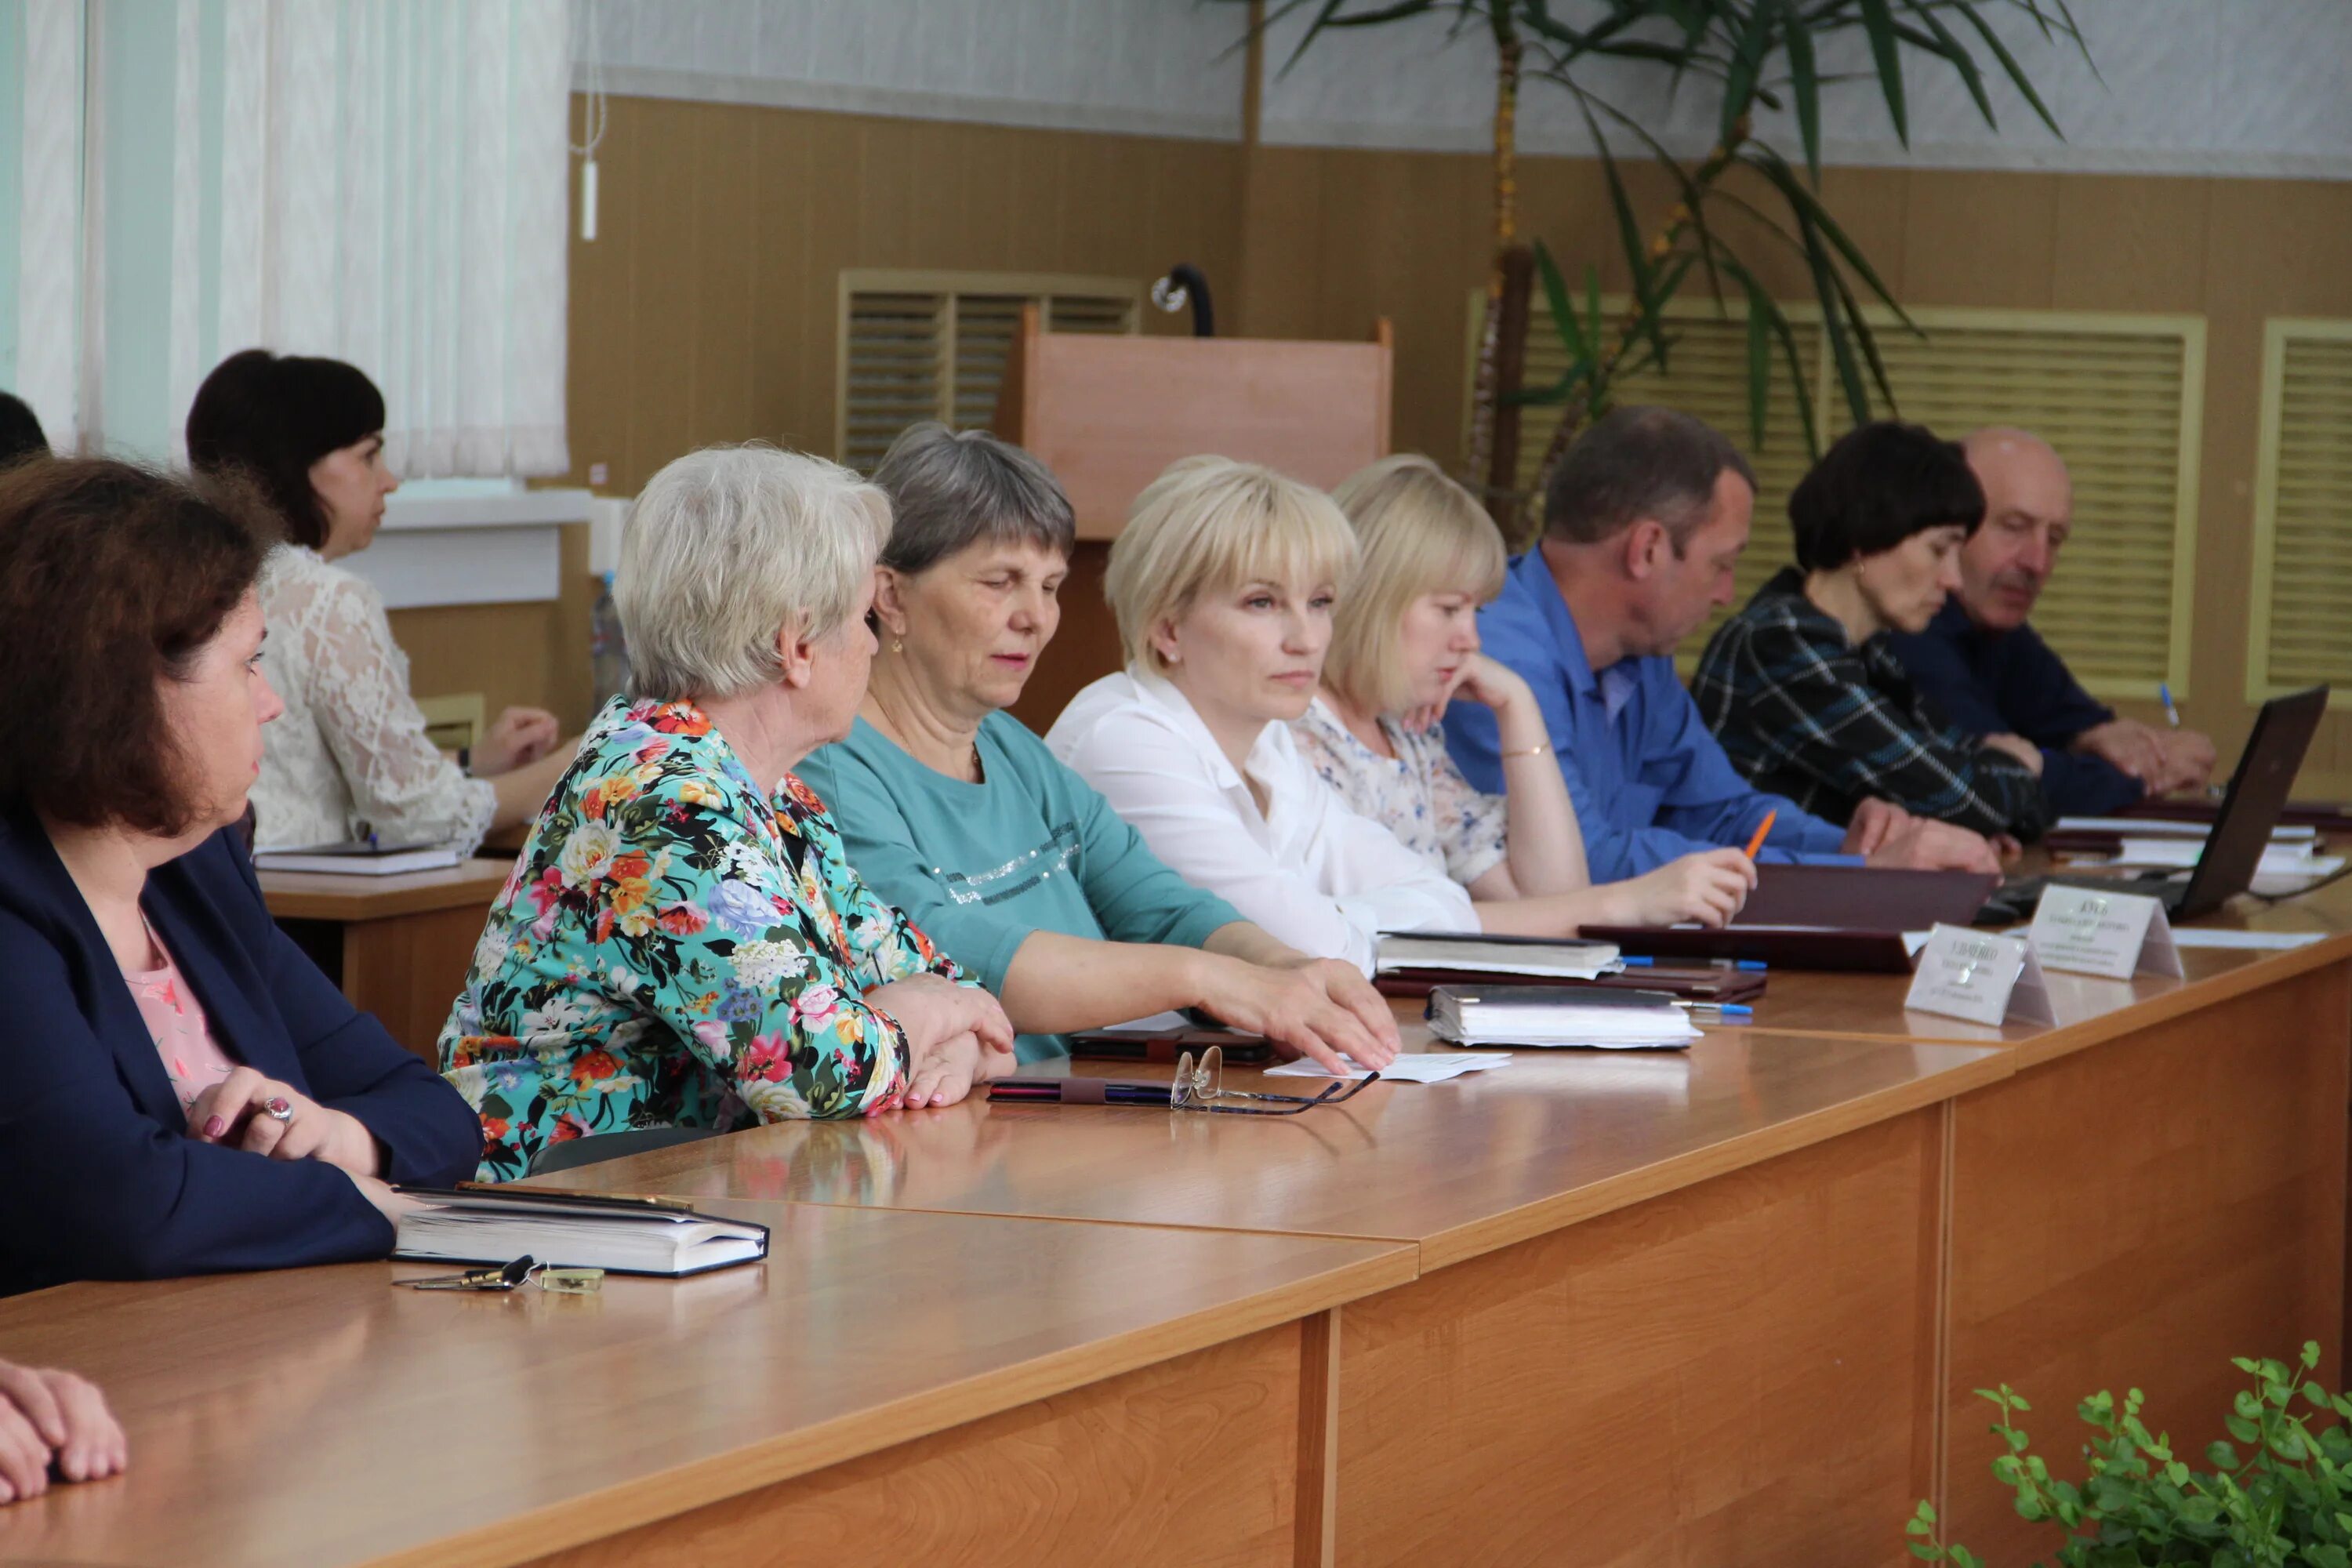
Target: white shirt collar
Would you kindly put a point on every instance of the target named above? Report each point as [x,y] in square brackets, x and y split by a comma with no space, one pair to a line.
[1272,756]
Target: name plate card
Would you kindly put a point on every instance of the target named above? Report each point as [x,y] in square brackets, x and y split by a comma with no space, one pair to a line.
[2116,935]
[1983,978]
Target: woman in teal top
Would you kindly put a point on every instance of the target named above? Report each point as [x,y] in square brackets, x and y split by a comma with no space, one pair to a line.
[1015,867]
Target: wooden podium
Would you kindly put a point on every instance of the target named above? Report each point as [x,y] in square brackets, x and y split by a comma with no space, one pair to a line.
[1106,413]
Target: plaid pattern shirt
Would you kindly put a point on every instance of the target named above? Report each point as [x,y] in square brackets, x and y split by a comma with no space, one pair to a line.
[1803,711]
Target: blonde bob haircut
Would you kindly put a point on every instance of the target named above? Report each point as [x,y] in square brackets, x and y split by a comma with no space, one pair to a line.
[1208,525]
[1421,533]
[730,546]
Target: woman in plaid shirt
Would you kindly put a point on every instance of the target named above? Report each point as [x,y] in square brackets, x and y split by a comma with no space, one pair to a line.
[1800,686]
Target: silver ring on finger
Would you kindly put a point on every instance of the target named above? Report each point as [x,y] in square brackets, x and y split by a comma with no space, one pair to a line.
[278,1108]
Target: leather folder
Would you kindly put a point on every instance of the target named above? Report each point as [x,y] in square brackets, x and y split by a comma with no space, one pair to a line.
[1823,917]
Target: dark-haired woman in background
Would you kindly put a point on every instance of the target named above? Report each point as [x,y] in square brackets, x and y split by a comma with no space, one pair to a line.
[186,1092]
[20,431]
[1800,686]
[351,754]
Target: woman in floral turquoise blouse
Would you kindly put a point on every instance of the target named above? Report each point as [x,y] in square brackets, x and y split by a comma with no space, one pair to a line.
[683,941]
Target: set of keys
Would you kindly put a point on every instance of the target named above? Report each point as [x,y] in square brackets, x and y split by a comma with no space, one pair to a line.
[513,1277]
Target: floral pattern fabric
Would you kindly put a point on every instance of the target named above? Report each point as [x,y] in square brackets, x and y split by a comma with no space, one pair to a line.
[1419,795]
[676,948]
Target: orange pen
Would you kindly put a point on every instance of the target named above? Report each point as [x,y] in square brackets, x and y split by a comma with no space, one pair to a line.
[1763,831]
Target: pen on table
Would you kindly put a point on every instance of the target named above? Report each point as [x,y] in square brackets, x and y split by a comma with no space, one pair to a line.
[2163,695]
[1079,1091]
[1763,831]
[1720,1009]
[1632,961]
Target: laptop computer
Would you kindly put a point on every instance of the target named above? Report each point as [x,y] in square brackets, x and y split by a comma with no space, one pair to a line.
[2242,827]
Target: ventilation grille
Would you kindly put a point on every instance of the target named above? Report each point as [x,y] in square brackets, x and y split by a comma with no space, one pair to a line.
[2119,396]
[2301,624]
[917,346]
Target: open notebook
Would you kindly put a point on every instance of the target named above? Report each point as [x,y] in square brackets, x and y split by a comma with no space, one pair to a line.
[625,1235]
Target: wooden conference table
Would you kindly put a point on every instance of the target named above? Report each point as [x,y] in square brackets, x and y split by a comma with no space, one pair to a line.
[1710,1309]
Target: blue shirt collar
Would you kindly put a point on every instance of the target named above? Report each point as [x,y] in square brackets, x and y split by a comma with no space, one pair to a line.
[1534,573]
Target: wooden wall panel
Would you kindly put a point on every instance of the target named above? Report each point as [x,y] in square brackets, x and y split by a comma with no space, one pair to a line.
[705,310]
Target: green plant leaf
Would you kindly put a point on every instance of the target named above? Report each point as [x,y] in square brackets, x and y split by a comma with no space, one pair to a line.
[2016,72]
[1562,309]
[1759,360]
[1629,234]
[1778,321]
[1886,50]
[1952,49]
[1804,84]
[1747,67]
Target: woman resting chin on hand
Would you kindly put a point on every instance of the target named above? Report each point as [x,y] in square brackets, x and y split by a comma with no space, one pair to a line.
[1405,643]
[189,1093]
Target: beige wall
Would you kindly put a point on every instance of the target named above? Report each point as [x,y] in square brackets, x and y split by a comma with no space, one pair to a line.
[706,309]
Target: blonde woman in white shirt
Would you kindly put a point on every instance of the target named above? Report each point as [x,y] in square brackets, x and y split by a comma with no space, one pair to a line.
[1224,584]
[351,754]
[1405,643]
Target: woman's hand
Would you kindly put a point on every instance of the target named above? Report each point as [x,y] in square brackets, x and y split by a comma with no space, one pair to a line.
[1318,1008]
[48,1415]
[1708,888]
[1490,684]
[932,1010]
[943,1074]
[235,1113]
[2019,747]
[516,736]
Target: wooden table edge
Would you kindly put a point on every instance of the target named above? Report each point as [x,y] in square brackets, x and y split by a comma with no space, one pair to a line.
[2065,1039]
[324,896]
[665,1494]
[1643,1183]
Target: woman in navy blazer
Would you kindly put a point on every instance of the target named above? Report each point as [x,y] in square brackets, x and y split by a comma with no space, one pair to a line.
[185,1092]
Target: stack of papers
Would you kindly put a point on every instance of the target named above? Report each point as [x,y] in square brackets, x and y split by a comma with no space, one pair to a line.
[2291,859]
[361,859]
[1531,1016]
[2157,828]
[1405,1069]
[1403,950]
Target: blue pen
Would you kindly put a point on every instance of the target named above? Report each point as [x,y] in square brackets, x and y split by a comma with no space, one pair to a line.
[1723,1009]
[2163,695]
[1630,962]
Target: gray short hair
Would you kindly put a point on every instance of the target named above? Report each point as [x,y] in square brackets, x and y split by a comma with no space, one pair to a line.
[729,545]
[951,488]
[1636,462]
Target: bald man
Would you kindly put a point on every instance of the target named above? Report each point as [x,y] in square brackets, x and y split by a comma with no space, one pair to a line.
[1991,674]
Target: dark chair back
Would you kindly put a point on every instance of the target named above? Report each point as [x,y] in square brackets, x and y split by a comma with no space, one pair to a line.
[577,1152]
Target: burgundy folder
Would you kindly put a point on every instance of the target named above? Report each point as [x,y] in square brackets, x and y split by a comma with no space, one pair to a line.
[1823,917]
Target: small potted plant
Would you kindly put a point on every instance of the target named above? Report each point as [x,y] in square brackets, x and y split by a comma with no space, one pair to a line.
[2279,1494]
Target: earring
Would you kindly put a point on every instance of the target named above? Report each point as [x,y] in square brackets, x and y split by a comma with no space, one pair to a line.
[897,645]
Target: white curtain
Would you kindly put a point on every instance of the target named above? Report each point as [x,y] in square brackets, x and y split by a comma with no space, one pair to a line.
[381,181]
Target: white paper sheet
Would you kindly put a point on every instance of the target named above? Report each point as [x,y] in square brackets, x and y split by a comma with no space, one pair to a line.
[2180,854]
[2245,941]
[1428,1066]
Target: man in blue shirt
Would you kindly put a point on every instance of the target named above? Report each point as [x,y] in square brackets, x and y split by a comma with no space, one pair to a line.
[1991,674]
[1643,521]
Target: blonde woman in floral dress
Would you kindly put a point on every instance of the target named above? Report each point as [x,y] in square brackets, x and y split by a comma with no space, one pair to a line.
[683,941]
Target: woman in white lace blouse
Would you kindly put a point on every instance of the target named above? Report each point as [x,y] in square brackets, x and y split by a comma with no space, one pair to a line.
[1404,642]
[351,754]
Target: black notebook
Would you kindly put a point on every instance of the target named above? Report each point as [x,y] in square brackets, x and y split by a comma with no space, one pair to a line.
[573,1230]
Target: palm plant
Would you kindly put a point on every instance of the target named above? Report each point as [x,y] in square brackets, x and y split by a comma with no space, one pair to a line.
[1751,54]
